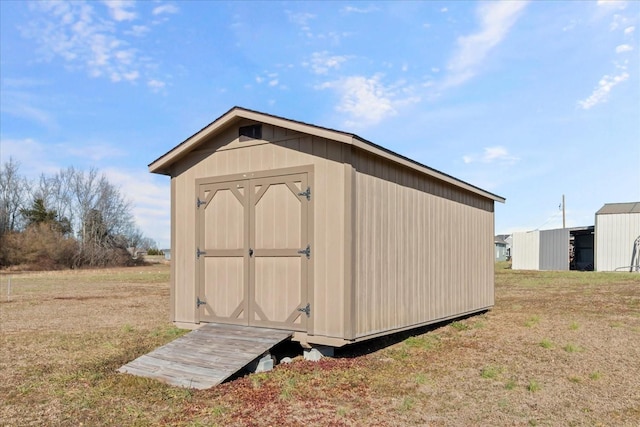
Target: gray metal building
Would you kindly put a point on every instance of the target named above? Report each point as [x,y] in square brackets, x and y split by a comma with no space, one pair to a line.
[617,237]
[541,250]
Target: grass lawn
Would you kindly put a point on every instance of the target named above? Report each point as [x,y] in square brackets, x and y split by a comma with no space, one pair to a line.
[558,348]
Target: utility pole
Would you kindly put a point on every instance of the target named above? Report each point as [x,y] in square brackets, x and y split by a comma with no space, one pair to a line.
[563,214]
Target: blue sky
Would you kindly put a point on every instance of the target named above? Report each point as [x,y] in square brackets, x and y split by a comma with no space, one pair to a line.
[527,100]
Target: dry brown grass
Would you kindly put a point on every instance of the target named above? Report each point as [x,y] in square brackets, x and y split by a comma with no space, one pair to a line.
[557,349]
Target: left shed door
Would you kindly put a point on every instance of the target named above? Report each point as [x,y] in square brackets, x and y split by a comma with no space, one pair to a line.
[222,222]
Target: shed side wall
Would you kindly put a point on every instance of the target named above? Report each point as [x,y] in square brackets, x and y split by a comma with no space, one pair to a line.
[424,249]
[615,236]
[525,251]
[227,155]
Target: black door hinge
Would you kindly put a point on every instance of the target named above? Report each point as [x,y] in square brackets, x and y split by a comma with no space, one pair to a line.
[306,310]
[306,251]
[306,193]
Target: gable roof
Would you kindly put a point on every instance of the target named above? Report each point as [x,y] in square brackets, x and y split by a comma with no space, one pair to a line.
[162,165]
[619,208]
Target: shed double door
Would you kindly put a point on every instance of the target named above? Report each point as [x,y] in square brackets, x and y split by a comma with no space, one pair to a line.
[254,249]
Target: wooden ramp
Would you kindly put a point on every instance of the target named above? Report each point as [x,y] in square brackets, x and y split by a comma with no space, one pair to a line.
[207,356]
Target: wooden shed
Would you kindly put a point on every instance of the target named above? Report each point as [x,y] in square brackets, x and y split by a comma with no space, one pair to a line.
[281,224]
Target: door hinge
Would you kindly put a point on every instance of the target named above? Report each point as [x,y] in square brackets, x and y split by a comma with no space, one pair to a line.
[199,302]
[306,251]
[199,252]
[200,203]
[306,193]
[306,310]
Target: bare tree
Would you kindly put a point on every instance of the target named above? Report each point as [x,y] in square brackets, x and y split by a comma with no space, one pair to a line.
[14,193]
[84,205]
[57,192]
[104,217]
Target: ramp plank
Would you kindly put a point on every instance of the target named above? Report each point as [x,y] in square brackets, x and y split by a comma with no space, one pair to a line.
[207,356]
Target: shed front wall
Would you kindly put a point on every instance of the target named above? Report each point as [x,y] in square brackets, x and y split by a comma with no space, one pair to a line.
[278,149]
[615,237]
[423,249]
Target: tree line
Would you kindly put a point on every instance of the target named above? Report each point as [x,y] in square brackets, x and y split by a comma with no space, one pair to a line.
[68,219]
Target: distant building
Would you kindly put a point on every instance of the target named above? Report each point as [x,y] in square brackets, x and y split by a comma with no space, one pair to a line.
[167,254]
[617,240]
[559,249]
[502,243]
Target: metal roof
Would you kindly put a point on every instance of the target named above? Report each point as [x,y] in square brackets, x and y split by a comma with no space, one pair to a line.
[619,208]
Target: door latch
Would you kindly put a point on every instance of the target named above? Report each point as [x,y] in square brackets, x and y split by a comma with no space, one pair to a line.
[199,302]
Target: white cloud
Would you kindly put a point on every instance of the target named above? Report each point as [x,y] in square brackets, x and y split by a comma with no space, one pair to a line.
[88,40]
[322,62]
[270,78]
[496,19]
[138,30]
[444,10]
[165,8]
[32,156]
[612,4]
[301,19]
[156,85]
[119,10]
[24,105]
[629,30]
[353,9]
[368,101]
[623,48]
[619,21]
[601,92]
[491,155]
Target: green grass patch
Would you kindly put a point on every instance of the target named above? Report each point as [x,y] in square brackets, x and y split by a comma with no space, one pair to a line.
[425,342]
[595,375]
[546,343]
[407,404]
[510,384]
[459,326]
[421,378]
[572,348]
[533,386]
[490,372]
[532,321]
[574,326]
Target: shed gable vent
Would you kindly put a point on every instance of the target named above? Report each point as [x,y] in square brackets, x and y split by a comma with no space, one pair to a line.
[250,132]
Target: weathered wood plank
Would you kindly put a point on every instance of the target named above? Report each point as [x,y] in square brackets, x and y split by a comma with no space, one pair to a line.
[207,356]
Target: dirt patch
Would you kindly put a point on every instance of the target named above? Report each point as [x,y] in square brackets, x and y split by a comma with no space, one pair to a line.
[557,349]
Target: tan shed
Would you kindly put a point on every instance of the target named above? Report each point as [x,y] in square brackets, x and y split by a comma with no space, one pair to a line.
[281,224]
